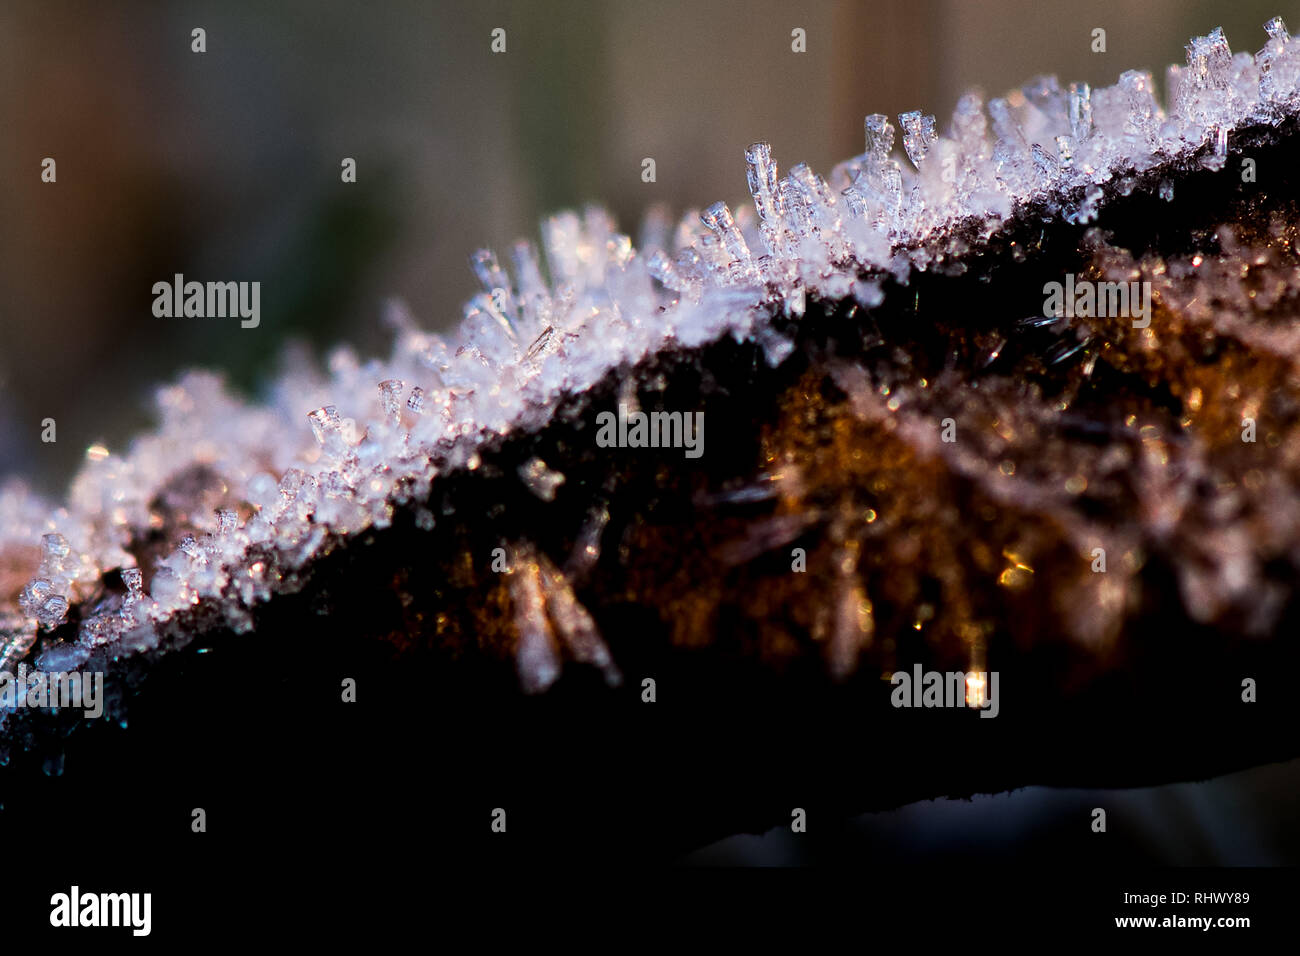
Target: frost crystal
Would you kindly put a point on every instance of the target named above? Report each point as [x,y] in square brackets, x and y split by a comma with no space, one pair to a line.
[918,135]
[227,484]
[542,481]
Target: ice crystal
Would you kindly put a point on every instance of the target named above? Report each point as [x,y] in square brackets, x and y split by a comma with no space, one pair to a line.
[542,481]
[227,483]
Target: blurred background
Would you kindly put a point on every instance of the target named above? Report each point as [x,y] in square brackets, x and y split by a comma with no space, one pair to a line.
[1246,818]
[226,165]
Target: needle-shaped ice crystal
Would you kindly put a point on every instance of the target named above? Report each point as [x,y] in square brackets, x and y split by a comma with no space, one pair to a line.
[918,135]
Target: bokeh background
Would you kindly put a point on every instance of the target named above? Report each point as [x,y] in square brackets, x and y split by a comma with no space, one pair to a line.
[225,165]
[1239,819]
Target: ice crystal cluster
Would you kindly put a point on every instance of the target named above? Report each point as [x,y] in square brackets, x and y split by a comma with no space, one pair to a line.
[222,484]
